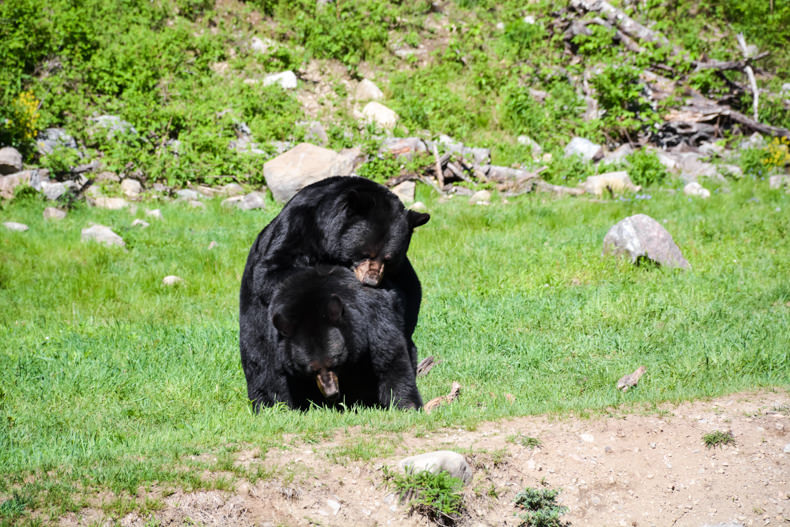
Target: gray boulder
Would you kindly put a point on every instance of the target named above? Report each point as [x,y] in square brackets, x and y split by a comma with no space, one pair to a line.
[584,148]
[779,181]
[378,114]
[9,183]
[53,191]
[286,80]
[640,236]
[288,173]
[131,188]
[695,189]
[51,213]
[368,91]
[102,234]
[440,461]
[10,160]
[188,194]
[253,200]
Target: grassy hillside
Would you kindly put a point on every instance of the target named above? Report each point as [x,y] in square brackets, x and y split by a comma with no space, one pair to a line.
[186,71]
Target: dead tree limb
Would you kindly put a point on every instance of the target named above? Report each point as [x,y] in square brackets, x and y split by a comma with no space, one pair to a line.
[750,74]
[623,22]
[730,64]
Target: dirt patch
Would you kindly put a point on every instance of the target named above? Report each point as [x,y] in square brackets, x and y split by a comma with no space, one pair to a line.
[650,469]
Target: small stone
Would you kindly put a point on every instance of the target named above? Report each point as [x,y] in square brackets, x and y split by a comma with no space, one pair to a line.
[14,226]
[140,223]
[418,206]
[695,189]
[334,506]
[443,460]
[253,200]
[379,114]
[481,197]
[232,201]
[154,213]
[171,280]
[787,448]
[368,91]
[102,234]
[286,80]
[10,160]
[187,194]
[232,189]
[587,438]
[653,445]
[131,188]
[110,177]
[110,203]
[585,148]
[51,213]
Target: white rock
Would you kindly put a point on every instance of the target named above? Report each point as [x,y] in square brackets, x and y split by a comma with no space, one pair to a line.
[777,182]
[614,181]
[188,194]
[14,226]
[587,438]
[640,236]
[334,506]
[102,234]
[232,201]
[787,448]
[154,213]
[261,45]
[172,280]
[442,460]
[140,223]
[103,202]
[585,148]
[418,206]
[10,160]
[695,189]
[51,213]
[232,189]
[131,187]
[405,191]
[53,191]
[286,80]
[377,113]
[368,91]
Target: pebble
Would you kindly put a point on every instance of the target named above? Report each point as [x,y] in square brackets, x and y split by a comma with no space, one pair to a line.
[14,226]
[51,213]
[172,280]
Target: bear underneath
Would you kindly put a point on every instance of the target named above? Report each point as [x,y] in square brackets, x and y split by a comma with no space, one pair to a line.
[349,222]
[333,342]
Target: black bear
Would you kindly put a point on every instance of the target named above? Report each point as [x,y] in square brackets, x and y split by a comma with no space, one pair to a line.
[334,341]
[349,222]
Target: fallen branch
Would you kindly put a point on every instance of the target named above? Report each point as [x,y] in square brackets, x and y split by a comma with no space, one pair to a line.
[729,64]
[431,405]
[623,22]
[750,74]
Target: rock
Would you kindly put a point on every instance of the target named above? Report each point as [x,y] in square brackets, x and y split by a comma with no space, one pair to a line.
[640,236]
[479,156]
[10,182]
[315,133]
[612,181]
[418,206]
[695,189]
[288,173]
[140,223]
[232,189]
[692,167]
[378,114]
[14,226]
[787,448]
[253,200]
[481,197]
[528,141]
[10,160]
[587,438]
[618,155]
[711,149]
[406,147]
[334,506]
[51,213]
[442,460]
[154,213]
[195,204]
[207,191]
[103,202]
[112,124]
[102,234]
[286,80]
[585,148]
[107,177]
[170,280]
[131,187]
[777,182]
[405,191]
[232,201]
[187,194]
[733,171]
[350,159]
[53,191]
[368,91]
[667,160]
[261,45]
[54,138]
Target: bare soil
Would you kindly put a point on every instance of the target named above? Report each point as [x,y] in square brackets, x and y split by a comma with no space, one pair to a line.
[633,468]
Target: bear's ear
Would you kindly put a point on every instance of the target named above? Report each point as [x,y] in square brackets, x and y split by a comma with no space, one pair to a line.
[285,327]
[416,219]
[334,309]
[359,202]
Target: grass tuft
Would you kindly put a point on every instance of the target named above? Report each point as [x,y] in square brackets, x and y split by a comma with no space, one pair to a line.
[718,438]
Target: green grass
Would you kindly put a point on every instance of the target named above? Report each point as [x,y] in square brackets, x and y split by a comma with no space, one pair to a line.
[109,380]
[436,496]
[718,438]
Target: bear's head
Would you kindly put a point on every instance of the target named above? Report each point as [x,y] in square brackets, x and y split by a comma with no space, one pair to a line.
[376,233]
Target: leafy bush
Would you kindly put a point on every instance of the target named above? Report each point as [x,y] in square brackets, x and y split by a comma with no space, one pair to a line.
[620,92]
[645,168]
[19,122]
[436,496]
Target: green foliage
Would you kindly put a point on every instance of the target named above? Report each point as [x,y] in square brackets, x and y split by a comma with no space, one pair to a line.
[620,92]
[645,169]
[436,496]
[525,441]
[599,44]
[380,169]
[60,161]
[718,438]
[19,122]
[567,170]
[753,162]
[540,508]
[520,38]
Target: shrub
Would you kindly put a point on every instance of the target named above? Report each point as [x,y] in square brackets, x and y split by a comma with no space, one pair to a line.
[645,168]
[540,508]
[435,496]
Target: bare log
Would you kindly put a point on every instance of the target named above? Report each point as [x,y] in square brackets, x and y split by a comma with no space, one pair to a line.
[729,64]
[542,186]
[750,74]
[623,22]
